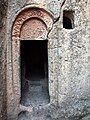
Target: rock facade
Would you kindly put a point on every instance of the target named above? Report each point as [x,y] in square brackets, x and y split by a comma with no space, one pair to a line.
[68,58]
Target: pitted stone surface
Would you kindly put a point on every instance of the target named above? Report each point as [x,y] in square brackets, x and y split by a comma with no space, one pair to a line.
[33,29]
[68,58]
[29,14]
[3,42]
[86,118]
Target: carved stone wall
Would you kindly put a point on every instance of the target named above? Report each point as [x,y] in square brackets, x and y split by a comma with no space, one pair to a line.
[3,11]
[68,61]
[30,24]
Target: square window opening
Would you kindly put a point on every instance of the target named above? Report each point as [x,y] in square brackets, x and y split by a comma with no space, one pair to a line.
[68,19]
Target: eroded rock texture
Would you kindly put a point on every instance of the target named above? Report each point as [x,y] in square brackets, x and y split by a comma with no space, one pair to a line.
[68,59]
[3,11]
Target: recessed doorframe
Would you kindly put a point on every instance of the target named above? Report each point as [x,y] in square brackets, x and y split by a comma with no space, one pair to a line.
[23,16]
[34,72]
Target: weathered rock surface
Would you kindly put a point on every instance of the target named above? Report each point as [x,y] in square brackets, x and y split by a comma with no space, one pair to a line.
[3,11]
[86,118]
[68,61]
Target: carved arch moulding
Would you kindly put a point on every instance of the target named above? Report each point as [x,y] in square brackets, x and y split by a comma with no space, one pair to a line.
[32,24]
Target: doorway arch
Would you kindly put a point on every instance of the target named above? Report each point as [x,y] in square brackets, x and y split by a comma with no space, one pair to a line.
[32,20]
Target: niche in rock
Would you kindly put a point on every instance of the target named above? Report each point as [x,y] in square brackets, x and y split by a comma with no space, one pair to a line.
[34,72]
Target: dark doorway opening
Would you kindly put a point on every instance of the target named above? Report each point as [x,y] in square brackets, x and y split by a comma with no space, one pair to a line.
[34,72]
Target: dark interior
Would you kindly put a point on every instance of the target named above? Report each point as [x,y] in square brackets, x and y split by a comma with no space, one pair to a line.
[67,23]
[34,72]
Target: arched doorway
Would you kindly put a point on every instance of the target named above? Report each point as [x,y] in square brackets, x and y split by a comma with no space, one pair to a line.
[30,57]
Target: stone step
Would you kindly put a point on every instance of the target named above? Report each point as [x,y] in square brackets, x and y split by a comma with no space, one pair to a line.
[35,87]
